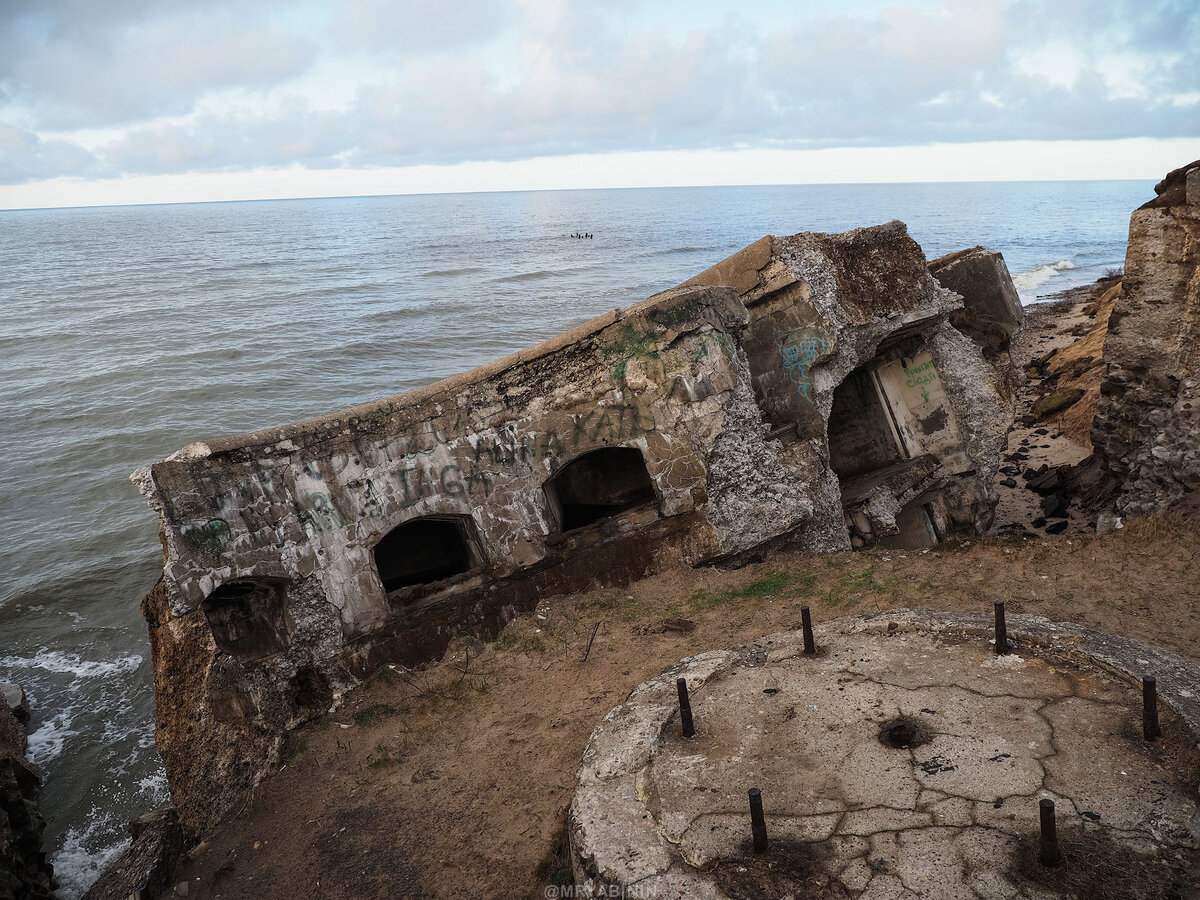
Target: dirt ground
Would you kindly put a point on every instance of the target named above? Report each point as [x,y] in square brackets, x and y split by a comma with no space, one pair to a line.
[453,781]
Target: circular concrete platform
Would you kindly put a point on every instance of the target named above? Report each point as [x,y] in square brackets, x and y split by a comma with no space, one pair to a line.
[906,759]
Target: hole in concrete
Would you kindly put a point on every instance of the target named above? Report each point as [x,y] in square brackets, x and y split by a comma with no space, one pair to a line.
[862,436]
[310,691]
[598,484]
[424,550]
[902,733]
[248,619]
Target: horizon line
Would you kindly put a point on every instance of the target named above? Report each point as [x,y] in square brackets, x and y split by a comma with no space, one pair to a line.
[549,190]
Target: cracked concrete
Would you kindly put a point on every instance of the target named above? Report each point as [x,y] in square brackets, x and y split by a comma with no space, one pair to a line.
[952,813]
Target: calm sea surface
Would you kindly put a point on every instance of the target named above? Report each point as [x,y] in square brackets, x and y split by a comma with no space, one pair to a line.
[128,332]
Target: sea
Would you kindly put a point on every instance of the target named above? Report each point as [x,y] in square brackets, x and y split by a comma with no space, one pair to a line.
[129,332]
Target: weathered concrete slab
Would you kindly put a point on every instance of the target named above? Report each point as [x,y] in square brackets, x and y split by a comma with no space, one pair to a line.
[906,759]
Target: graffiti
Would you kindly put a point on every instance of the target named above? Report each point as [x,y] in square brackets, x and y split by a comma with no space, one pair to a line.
[409,469]
[925,373]
[800,353]
[208,539]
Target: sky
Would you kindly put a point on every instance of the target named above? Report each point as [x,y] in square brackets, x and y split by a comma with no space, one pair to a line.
[134,101]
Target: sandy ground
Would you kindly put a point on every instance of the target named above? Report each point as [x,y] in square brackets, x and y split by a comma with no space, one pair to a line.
[454,781]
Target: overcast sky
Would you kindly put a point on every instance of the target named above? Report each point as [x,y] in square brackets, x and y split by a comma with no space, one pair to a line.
[136,100]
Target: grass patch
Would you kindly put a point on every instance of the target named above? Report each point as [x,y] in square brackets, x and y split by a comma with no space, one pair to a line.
[864,581]
[376,712]
[777,584]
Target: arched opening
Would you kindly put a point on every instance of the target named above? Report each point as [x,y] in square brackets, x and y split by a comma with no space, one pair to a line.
[598,484]
[424,550]
[248,619]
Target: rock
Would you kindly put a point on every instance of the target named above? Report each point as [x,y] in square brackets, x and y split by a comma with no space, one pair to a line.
[1046,482]
[1108,522]
[992,310]
[1056,402]
[24,871]
[1009,482]
[1146,432]
[1039,522]
[145,869]
[1057,527]
[18,703]
[1055,506]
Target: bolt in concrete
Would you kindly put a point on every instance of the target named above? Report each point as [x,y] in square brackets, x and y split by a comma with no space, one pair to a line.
[758,824]
[1150,726]
[810,646]
[685,709]
[1048,852]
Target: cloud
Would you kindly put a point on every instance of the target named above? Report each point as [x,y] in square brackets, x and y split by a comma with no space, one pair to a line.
[146,87]
[72,67]
[26,157]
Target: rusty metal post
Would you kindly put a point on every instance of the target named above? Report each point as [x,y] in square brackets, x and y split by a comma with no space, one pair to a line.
[1048,852]
[1001,631]
[810,646]
[1150,726]
[685,708]
[758,824]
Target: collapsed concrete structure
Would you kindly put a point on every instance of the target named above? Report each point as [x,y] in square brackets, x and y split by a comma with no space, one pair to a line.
[1146,432]
[810,390]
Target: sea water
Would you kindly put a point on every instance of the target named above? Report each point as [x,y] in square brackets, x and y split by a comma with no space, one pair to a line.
[128,332]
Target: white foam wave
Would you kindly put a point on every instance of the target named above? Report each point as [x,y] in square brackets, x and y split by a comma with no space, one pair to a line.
[1039,275]
[46,743]
[73,664]
[83,857]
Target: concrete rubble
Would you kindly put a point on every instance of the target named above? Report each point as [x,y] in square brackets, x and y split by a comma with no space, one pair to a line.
[810,391]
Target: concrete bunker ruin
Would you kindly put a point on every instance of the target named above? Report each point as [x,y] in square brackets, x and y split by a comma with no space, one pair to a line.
[752,406]
[904,758]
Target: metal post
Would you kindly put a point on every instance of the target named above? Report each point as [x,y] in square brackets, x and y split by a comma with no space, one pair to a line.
[758,825]
[1048,852]
[1001,631]
[810,646]
[685,708]
[1150,726]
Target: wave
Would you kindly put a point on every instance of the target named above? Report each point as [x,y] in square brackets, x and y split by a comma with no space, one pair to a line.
[450,273]
[72,664]
[528,276]
[1039,275]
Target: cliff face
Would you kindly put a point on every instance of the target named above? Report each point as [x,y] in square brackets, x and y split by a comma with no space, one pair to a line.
[809,390]
[1146,432]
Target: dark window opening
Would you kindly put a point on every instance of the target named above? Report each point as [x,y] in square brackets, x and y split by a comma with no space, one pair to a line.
[248,619]
[424,550]
[862,438]
[597,485]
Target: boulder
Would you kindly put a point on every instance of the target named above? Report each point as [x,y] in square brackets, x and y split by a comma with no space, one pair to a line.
[144,870]
[992,310]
